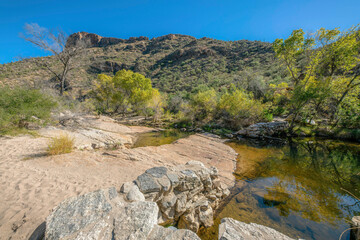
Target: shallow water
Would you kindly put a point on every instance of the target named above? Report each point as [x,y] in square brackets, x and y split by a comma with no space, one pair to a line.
[296,188]
[159,138]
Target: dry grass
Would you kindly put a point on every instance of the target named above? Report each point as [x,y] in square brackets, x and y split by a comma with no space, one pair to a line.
[60,145]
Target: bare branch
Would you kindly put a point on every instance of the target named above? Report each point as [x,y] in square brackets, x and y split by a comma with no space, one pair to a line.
[55,43]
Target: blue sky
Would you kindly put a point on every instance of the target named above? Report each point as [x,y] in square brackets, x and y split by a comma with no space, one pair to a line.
[263,20]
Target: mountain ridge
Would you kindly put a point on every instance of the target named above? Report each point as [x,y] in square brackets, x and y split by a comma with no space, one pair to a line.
[174,62]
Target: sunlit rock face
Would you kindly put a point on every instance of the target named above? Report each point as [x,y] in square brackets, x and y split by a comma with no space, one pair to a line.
[105,215]
[94,40]
[185,195]
[231,229]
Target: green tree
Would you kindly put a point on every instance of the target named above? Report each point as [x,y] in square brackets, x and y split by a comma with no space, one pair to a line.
[155,105]
[104,91]
[204,104]
[19,105]
[131,89]
[238,108]
[127,91]
[323,68]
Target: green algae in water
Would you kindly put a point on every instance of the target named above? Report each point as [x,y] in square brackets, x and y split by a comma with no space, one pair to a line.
[159,138]
[296,188]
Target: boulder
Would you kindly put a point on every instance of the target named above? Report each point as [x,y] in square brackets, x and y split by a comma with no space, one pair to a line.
[134,195]
[231,229]
[105,215]
[186,194]
[260,130]
[77,213]
[125,188]
[147,183]
[135,220]
[161,233]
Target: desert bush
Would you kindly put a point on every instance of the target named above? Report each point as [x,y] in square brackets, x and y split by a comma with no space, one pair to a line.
[126,91]
[238,108]
[204,104]
[60,145]
[21,105]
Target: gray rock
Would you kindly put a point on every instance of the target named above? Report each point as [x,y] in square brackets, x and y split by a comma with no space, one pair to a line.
[135,221]
[157,172]
[174,179]
[125,188]
[112,193]
[269,129]
[171,233]
[231,229]
[168,201]
[192,162]
[102,230]
[164,183]
[229,135]
[147,183]
[135,195]
[206,217]
[182,234]
[76,213]
[160,232]
[187,194]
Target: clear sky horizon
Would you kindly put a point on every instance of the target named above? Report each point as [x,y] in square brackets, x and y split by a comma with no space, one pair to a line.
[262,20]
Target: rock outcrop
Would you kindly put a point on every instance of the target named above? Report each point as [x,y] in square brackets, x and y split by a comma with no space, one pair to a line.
[186,194]
[261,130]
[231,229]
[103,215]
[90,132]
[94,40]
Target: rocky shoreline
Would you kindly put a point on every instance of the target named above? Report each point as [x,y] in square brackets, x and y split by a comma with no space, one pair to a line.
[279,130]
[184,196]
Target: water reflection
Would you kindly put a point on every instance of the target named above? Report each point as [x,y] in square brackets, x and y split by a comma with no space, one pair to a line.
[296,188]
[159,138]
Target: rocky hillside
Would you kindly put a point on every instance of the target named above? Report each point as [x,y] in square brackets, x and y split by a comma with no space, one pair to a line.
[174,62]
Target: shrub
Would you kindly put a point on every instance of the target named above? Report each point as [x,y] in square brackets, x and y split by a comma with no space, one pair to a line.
[60,145]
[204,103]
[21,105]
[238,108]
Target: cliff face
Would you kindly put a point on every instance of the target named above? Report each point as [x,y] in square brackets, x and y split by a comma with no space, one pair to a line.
[174,62]
[95,40]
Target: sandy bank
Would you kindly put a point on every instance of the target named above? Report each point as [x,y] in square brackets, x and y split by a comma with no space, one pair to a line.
[31,183]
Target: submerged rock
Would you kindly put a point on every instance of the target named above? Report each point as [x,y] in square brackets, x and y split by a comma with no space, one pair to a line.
[231,229]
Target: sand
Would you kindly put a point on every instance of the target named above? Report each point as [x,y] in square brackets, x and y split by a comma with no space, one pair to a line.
[32,183]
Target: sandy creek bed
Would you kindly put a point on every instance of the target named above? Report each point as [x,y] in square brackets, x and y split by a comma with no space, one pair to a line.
[32,183]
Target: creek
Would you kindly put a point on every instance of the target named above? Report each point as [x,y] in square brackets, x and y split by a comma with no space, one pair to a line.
[304,188]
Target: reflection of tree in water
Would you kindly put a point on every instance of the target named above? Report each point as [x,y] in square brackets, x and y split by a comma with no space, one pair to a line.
[295,188]
[309,178]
